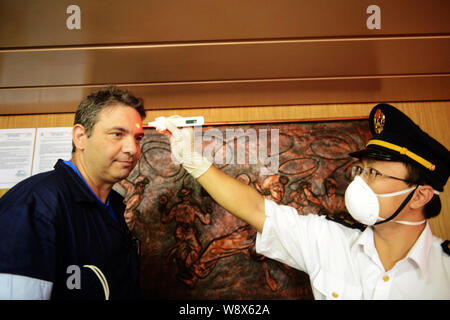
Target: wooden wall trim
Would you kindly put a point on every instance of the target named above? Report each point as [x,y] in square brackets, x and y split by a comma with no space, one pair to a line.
[206,94]
[225,61]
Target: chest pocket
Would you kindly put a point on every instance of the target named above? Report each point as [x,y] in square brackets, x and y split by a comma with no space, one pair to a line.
[335,288]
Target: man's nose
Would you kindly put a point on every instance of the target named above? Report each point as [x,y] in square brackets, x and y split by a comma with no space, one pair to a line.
[131,146]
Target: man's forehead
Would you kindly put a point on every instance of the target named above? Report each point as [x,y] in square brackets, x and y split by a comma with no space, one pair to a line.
[113,109]
[111,117]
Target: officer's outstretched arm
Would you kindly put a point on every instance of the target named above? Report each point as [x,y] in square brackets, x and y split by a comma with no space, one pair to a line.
[234,196]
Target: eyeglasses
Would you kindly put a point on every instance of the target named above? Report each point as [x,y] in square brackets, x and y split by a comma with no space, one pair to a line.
[371,174]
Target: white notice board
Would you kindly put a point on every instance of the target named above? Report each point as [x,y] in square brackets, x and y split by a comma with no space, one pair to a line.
[51,144]
[16,155]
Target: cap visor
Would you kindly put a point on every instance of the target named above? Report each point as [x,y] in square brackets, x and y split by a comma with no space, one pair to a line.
[375,154]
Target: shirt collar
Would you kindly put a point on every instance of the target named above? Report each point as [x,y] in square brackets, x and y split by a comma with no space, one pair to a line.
[106,205]
[421,249]
[418,253]
[365,240]
[80,192]
[75,169]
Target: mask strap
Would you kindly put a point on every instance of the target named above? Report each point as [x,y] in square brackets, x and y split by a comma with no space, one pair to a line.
[411,223]
[400,208]
[393,194]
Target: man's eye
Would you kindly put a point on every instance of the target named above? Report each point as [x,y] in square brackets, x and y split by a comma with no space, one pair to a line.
[117,134]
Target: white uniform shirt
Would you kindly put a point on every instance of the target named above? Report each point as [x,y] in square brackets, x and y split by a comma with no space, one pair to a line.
[343,263]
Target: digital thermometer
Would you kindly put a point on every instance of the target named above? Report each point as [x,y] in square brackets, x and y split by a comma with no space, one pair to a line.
[160,122]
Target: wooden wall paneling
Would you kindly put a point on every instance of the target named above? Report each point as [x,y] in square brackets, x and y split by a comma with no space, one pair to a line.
[239,74]
[222,53]
[36,120]
[155,21]
[206,94]
[225,61]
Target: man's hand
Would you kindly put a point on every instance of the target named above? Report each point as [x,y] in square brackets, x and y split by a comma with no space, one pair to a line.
[182,145]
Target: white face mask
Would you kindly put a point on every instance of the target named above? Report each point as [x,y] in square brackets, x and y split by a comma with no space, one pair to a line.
[363,205]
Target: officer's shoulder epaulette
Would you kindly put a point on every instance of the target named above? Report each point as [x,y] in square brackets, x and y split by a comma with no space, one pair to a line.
[446,246]
[347,222]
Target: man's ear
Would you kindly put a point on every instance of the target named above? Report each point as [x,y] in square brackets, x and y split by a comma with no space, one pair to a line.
[79,136]
[422,196]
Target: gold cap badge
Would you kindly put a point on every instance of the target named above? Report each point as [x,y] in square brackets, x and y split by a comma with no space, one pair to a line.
[378,121]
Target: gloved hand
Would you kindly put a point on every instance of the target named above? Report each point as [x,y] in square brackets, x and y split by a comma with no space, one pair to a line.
[182,144]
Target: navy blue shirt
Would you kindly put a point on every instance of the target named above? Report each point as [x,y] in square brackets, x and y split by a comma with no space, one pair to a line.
[52,220]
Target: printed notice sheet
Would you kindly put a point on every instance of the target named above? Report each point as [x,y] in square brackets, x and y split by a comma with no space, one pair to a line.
[16,155]
[51,144]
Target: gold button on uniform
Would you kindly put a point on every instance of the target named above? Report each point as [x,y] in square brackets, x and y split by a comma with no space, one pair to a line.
[335,295]
[386,278]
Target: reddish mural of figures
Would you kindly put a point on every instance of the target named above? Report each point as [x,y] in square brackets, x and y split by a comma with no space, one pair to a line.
[191,248]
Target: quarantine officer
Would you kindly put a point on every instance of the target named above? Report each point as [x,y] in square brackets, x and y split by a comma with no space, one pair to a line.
[391,253]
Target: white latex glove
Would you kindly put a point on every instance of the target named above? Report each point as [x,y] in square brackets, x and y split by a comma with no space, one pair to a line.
[182,144]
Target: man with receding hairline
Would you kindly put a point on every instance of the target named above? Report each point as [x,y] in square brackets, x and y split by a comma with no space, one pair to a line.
[62,232]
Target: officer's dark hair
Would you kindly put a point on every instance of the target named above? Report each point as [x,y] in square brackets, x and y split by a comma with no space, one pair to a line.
[90,107]
[418,176]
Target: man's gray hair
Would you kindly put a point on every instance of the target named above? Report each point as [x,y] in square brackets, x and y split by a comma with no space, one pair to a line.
[90,107]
